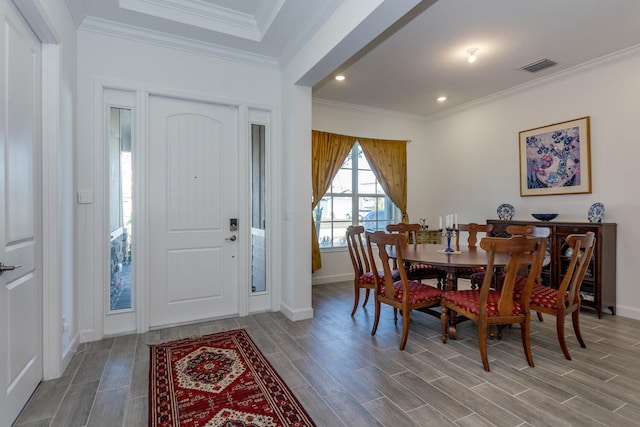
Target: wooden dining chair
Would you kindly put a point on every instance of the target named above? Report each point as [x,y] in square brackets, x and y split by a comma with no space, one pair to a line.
[363,273]
[476,279]
[487,306]
[472,229]
[415,270]
[566,299]
[404,294]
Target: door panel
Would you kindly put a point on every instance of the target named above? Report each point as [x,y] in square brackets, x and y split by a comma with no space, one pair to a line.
[193,194]
[20,289]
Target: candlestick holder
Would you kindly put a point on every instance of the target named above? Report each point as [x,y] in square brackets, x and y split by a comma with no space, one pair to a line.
[448,232]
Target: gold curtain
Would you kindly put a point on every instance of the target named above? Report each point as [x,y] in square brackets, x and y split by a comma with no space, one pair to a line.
[388,161]
[328,151]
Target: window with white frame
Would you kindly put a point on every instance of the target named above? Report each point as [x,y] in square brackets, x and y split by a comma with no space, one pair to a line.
[355,197]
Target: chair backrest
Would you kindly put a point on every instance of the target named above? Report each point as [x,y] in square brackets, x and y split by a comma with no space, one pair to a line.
[523,251]
[583,246]
[408,230]
[355,243]
[385,242]
[472,229]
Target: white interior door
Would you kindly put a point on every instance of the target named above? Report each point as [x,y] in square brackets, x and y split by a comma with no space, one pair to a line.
[193,194]
[20,217]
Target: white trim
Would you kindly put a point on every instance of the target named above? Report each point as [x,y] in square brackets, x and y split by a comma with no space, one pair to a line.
[244,213]
[35,15]
[52,357]
[295,315]
[199,14]
[332,279]
[133,33]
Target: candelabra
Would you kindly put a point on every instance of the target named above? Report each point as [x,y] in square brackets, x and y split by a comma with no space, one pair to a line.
[448,232]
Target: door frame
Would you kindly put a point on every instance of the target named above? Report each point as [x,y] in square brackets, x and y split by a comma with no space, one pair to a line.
[140,271]
[56,353]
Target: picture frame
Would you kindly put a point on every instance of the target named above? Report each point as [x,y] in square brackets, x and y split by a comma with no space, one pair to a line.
[556,159]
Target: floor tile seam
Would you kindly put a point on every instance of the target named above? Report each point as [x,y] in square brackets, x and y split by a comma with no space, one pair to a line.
[428,405]
[93,404]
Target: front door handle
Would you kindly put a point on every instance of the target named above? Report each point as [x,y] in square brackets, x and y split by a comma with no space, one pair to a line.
[232,238]
[4,267]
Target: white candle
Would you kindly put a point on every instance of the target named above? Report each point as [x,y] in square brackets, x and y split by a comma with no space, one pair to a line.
[440,223]
[455,220]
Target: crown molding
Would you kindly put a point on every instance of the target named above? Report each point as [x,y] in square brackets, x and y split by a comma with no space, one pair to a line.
[603,61]
[199,14]
[133,33]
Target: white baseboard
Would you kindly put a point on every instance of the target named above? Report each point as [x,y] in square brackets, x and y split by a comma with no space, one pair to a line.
[621,310]
[296,315]
[332,279]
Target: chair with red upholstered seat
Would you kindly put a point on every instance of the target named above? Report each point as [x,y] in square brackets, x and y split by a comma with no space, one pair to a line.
[512,230]
[404,294]
[363,273]
[415,270]
[566,299]
[487,306]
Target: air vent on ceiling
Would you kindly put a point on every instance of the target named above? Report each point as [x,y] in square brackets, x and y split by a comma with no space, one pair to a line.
[538,65]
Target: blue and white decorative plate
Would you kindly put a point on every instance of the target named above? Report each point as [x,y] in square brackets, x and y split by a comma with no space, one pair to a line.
[506,211]
[596,212]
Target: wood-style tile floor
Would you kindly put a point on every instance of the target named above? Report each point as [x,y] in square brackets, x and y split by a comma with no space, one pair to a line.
[345,377]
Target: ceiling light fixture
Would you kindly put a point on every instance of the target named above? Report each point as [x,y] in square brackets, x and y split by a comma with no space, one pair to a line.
[340,77]
[442,98]
[472,54]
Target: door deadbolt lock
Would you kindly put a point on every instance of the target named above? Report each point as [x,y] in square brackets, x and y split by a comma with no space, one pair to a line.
[233,224]
[4,267]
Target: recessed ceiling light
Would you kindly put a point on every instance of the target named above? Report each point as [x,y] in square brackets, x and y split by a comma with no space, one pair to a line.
[442,98]
[340,77]
[472,54]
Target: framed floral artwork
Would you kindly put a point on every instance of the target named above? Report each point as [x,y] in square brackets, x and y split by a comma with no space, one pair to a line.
[555,159]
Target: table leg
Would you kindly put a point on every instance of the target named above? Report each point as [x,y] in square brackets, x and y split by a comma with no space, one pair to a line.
[452,285]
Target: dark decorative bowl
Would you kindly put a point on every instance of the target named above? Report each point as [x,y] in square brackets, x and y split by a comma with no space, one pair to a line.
[545,216]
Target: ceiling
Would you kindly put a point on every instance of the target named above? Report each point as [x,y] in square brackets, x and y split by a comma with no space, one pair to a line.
[410,65]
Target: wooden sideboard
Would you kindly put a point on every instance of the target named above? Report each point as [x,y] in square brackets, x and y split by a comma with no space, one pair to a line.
[598,289]
[433,237]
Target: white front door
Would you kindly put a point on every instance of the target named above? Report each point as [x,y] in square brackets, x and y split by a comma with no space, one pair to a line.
[20,217]
[193,194]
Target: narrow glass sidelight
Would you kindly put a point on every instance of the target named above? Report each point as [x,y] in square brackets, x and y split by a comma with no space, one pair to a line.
[120,208]
[258,210]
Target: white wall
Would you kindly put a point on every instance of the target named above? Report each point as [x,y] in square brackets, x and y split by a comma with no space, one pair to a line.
[467,161]
[141,67]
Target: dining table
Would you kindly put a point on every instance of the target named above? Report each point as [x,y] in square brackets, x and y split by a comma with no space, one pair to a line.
[451,262]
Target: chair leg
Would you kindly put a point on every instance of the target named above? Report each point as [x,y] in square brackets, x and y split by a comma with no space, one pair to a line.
[560,332]
[405,328]
[356,300]
[376,318]
[444,319]
[575,319]
[525,332]
[395,316]
[539,315]
[366,296]
[482,342]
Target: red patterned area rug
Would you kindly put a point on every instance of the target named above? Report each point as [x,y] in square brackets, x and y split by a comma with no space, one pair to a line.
[218,380]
